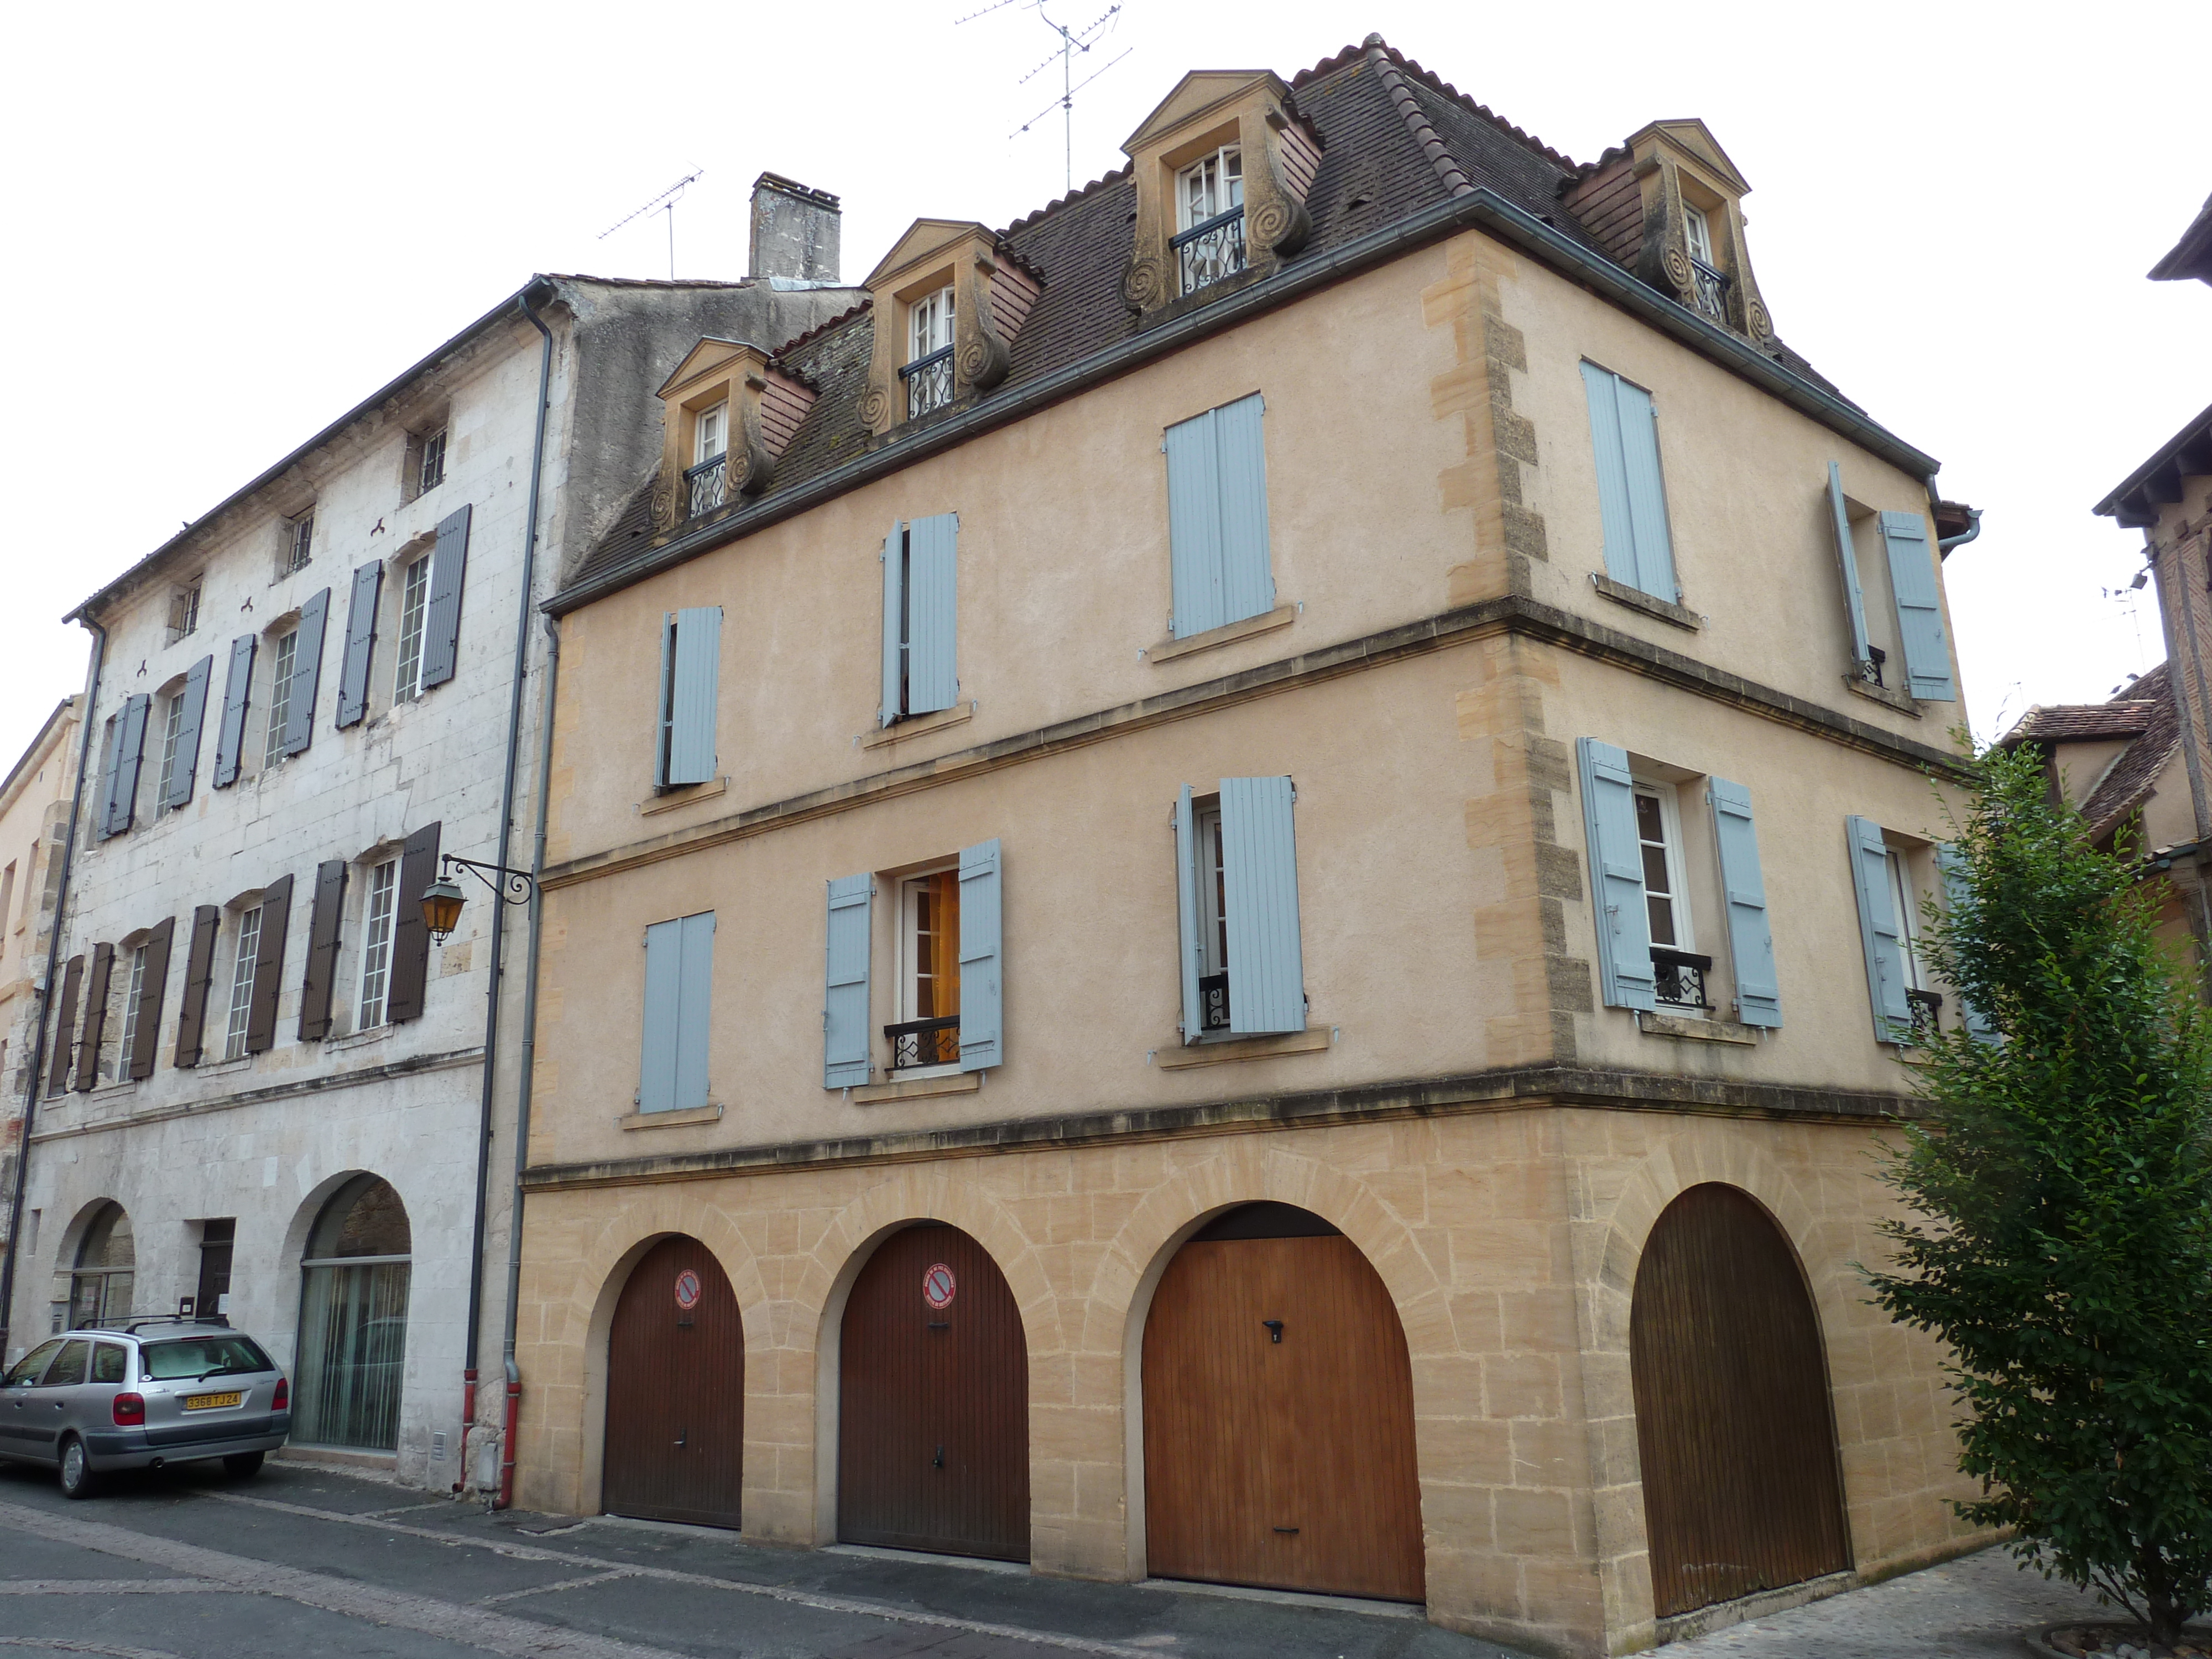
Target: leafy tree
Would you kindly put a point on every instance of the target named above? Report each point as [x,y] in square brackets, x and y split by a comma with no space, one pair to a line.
[2060,1238]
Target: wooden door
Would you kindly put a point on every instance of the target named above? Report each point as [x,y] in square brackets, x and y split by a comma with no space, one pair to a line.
[1280,1456]
[676,1391]
[933,1407]
[1733,1423]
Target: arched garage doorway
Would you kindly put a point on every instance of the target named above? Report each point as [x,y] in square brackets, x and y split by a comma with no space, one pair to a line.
[1278,1414]
[933,1401]
[676,1391]
[1733,1425]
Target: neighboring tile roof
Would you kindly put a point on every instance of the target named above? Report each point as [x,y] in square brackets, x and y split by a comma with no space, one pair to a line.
[2146,714]
[2075,722]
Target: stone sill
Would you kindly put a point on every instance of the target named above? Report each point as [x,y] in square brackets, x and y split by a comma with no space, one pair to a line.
[351,1040]
[689,1114]
[918,1088]
[682,795]
[1900,701]
[1703,1621]
[336,1457]
[1228,634]
[222,1067]
[916,726]
[1182,1057]
[1696,1030]
[1649,604]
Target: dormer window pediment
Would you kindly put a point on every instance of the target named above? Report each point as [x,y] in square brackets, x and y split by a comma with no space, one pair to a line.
[727,414]
[948,303]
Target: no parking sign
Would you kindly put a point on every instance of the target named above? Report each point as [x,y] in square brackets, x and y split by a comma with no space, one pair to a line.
[687,1290]
[938,1286]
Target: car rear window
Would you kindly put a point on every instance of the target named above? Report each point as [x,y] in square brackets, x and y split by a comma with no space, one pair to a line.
[203,1356]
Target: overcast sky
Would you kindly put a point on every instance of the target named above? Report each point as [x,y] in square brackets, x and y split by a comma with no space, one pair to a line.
[230,223]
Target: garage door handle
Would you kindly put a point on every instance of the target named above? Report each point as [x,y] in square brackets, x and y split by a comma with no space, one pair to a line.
[1290,1529]
[937,1462]
[683,1437]
[1274,1329]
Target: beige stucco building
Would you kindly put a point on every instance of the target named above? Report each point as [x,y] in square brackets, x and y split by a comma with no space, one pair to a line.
[1332,720]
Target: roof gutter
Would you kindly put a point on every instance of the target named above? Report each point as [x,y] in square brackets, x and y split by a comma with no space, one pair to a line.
[1483,208]
[1944,545]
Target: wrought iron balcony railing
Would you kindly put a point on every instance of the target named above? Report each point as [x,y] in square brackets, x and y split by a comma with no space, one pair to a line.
[1712,289]
[1927,1014]
[1680,979]
[925,1042]
[706,486]
[928,382]
[1213,1002]
[1206,252]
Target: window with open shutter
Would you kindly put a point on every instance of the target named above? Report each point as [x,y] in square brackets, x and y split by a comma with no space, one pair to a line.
[411,934]
[184,753]
[1878,930]
[57,1068]
[690,671]
[269,965]
[1616,859]
[845,1046]
[153,978]
[679,961]
[1919,607]
[920,657]
[982,959]
[121,805]
[199,979]
[306,677]
[1751,939]
[1217,538]
[95,1018]
[1847,564]
[323,918]
[1259,902]
[1953,869]
[360,643]
[1190,945]
[441,625]
[237,693]
[1632,493]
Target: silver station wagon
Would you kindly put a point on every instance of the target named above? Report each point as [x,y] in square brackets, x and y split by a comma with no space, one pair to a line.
[149,1393]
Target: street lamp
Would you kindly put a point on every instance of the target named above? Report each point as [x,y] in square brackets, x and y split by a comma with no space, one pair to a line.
[443,898]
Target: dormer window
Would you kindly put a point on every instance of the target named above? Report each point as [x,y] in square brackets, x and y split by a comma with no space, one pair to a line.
[1209,243]
[928,371]
[707,479]
[1712,285]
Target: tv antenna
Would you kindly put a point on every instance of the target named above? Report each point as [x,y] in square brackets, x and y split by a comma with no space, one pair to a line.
[1072,44]
[664,203]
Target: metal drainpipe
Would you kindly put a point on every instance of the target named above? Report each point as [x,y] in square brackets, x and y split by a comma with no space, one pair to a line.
[537,293]
[1944,545]
[46,991]
[529,1063]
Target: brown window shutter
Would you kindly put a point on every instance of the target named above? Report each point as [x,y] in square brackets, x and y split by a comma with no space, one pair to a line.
[411,935]
[96,1016]
[146,1029]
[268,966]
[199,974]
[322,950]
[57,1066]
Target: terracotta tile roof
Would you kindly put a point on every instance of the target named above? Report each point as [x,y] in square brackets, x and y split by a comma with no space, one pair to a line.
[2145,713]
[2075,722]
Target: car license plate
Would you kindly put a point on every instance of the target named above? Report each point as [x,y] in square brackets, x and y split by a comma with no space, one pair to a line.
[207,1402]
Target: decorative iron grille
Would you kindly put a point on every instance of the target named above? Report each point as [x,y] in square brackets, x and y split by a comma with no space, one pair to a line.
[1213,1002]
[925,1042]
[1207,253]
[928,382]
[1927,1014]
[1679,978]
[1711,288]
[706,486]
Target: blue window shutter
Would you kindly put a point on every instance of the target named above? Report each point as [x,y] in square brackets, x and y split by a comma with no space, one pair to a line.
[692,689]
[1919,607]
[982,959]
[1194,525]
[1189,948]
[664,973]
[664,730]
[1978,1025]
[933,667]
[177,787]
[1878,930]
[894,703]
[695,1007]
[359,644]
[1751,939]
[129,753]
[845,1048]
[307,672]
[441,617]
[1248,586]
[1632,493]
[1616,859]
[237,691]
[1260,874]
[1847,560]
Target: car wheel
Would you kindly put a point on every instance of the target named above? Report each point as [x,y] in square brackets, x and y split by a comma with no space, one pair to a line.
[242,1466]
[76,1469]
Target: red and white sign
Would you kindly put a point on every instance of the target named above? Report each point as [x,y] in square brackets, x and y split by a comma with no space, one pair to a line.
[938,1286]
[687,1290]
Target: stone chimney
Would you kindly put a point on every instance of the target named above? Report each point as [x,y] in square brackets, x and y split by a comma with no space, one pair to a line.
[794,232]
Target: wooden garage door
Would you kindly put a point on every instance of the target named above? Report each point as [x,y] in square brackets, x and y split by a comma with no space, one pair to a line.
[1741,1489]
[933,1406]
[1279,1454]
[676,1391]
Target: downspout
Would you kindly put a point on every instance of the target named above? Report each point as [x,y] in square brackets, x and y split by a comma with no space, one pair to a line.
[539,292]
[529,1063]
[1944,545]
[46,990]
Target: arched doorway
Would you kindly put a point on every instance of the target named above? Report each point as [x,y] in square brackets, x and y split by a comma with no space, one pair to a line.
[104,1269]
[353,1319]
[1733,1423]
[676,1391]
[1278,1414]
[933,1401]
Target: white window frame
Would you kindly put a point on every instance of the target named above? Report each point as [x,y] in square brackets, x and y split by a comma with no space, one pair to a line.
[378,915]
[1212,892]
[1667,798]
[1214,175]
[431,470]
[240,1014]
[710,433]
[172,726]
[910,889]
[184,609]
[284,654]
[929,324]
[299,542]
[1906,902]
[413,623]
[1697,231]
[134,985]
